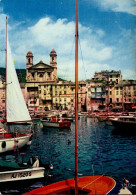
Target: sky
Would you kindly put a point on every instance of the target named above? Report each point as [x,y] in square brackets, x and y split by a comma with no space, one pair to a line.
[107,35]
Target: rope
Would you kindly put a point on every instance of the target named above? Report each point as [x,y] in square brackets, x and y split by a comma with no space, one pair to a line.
[83,61]
[92,181]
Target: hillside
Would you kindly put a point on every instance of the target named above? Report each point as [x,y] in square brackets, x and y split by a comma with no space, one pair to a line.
[21,73]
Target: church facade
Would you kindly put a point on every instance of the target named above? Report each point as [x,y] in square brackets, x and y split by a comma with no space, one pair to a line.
[44,89]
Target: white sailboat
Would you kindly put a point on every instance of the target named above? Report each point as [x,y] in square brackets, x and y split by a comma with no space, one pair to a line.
[16,110]
[16,107]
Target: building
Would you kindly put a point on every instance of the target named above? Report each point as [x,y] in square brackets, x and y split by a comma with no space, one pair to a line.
[96,94]
[110,76]
[44,89]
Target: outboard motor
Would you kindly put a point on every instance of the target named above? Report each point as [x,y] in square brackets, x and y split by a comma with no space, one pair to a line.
[33,161]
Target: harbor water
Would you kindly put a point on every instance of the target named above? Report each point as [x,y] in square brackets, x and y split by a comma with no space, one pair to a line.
[101,150]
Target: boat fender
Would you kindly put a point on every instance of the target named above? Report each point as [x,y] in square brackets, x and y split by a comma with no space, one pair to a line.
[3,144]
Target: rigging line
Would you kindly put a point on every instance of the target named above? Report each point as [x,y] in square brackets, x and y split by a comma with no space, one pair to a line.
[82,60]
[92,182]
[71,52]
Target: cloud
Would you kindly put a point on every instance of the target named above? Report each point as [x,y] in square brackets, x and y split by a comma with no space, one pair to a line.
[46,34]
[129,74]
[126,6]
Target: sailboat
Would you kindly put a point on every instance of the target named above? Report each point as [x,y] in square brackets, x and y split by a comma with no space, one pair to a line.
[15,108]
[99,184]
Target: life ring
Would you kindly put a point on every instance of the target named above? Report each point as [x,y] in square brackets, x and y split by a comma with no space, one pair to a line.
[3,144]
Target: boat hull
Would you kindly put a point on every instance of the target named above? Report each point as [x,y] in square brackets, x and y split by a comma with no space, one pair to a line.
[65,124]
[89,185]
[9,144]
[124,125]
[22,174]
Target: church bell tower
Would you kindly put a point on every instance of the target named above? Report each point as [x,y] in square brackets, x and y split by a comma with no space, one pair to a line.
[29,59]
[53,63]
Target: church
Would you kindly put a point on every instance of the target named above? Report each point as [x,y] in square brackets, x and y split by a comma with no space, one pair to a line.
[43,87]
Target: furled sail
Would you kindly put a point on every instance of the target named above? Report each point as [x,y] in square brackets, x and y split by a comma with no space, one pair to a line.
[16,106]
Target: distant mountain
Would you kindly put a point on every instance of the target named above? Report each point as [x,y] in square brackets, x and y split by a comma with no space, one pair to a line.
[21,73]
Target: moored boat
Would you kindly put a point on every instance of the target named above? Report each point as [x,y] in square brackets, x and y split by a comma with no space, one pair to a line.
[14,141]
[55,122]
[15,109]
[86,185]
[12,171]
[124,122]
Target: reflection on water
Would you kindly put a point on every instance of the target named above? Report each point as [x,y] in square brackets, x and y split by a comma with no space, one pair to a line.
[101,151]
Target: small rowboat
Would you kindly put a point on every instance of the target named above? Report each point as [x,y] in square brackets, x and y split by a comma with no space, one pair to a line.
[87,185]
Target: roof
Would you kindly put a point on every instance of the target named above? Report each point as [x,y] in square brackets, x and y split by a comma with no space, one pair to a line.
[41,65]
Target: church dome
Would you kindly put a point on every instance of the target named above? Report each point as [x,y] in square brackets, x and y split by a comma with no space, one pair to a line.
[53,51]
[29,53]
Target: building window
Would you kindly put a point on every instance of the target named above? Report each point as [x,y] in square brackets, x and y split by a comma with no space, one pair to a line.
[110,92]
[117,99]
[65,92]
[64,86]
[41,75]
[117,93]
[49,74]
[29,60]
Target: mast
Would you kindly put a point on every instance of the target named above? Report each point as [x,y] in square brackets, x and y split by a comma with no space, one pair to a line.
[76,103]
[6,80]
